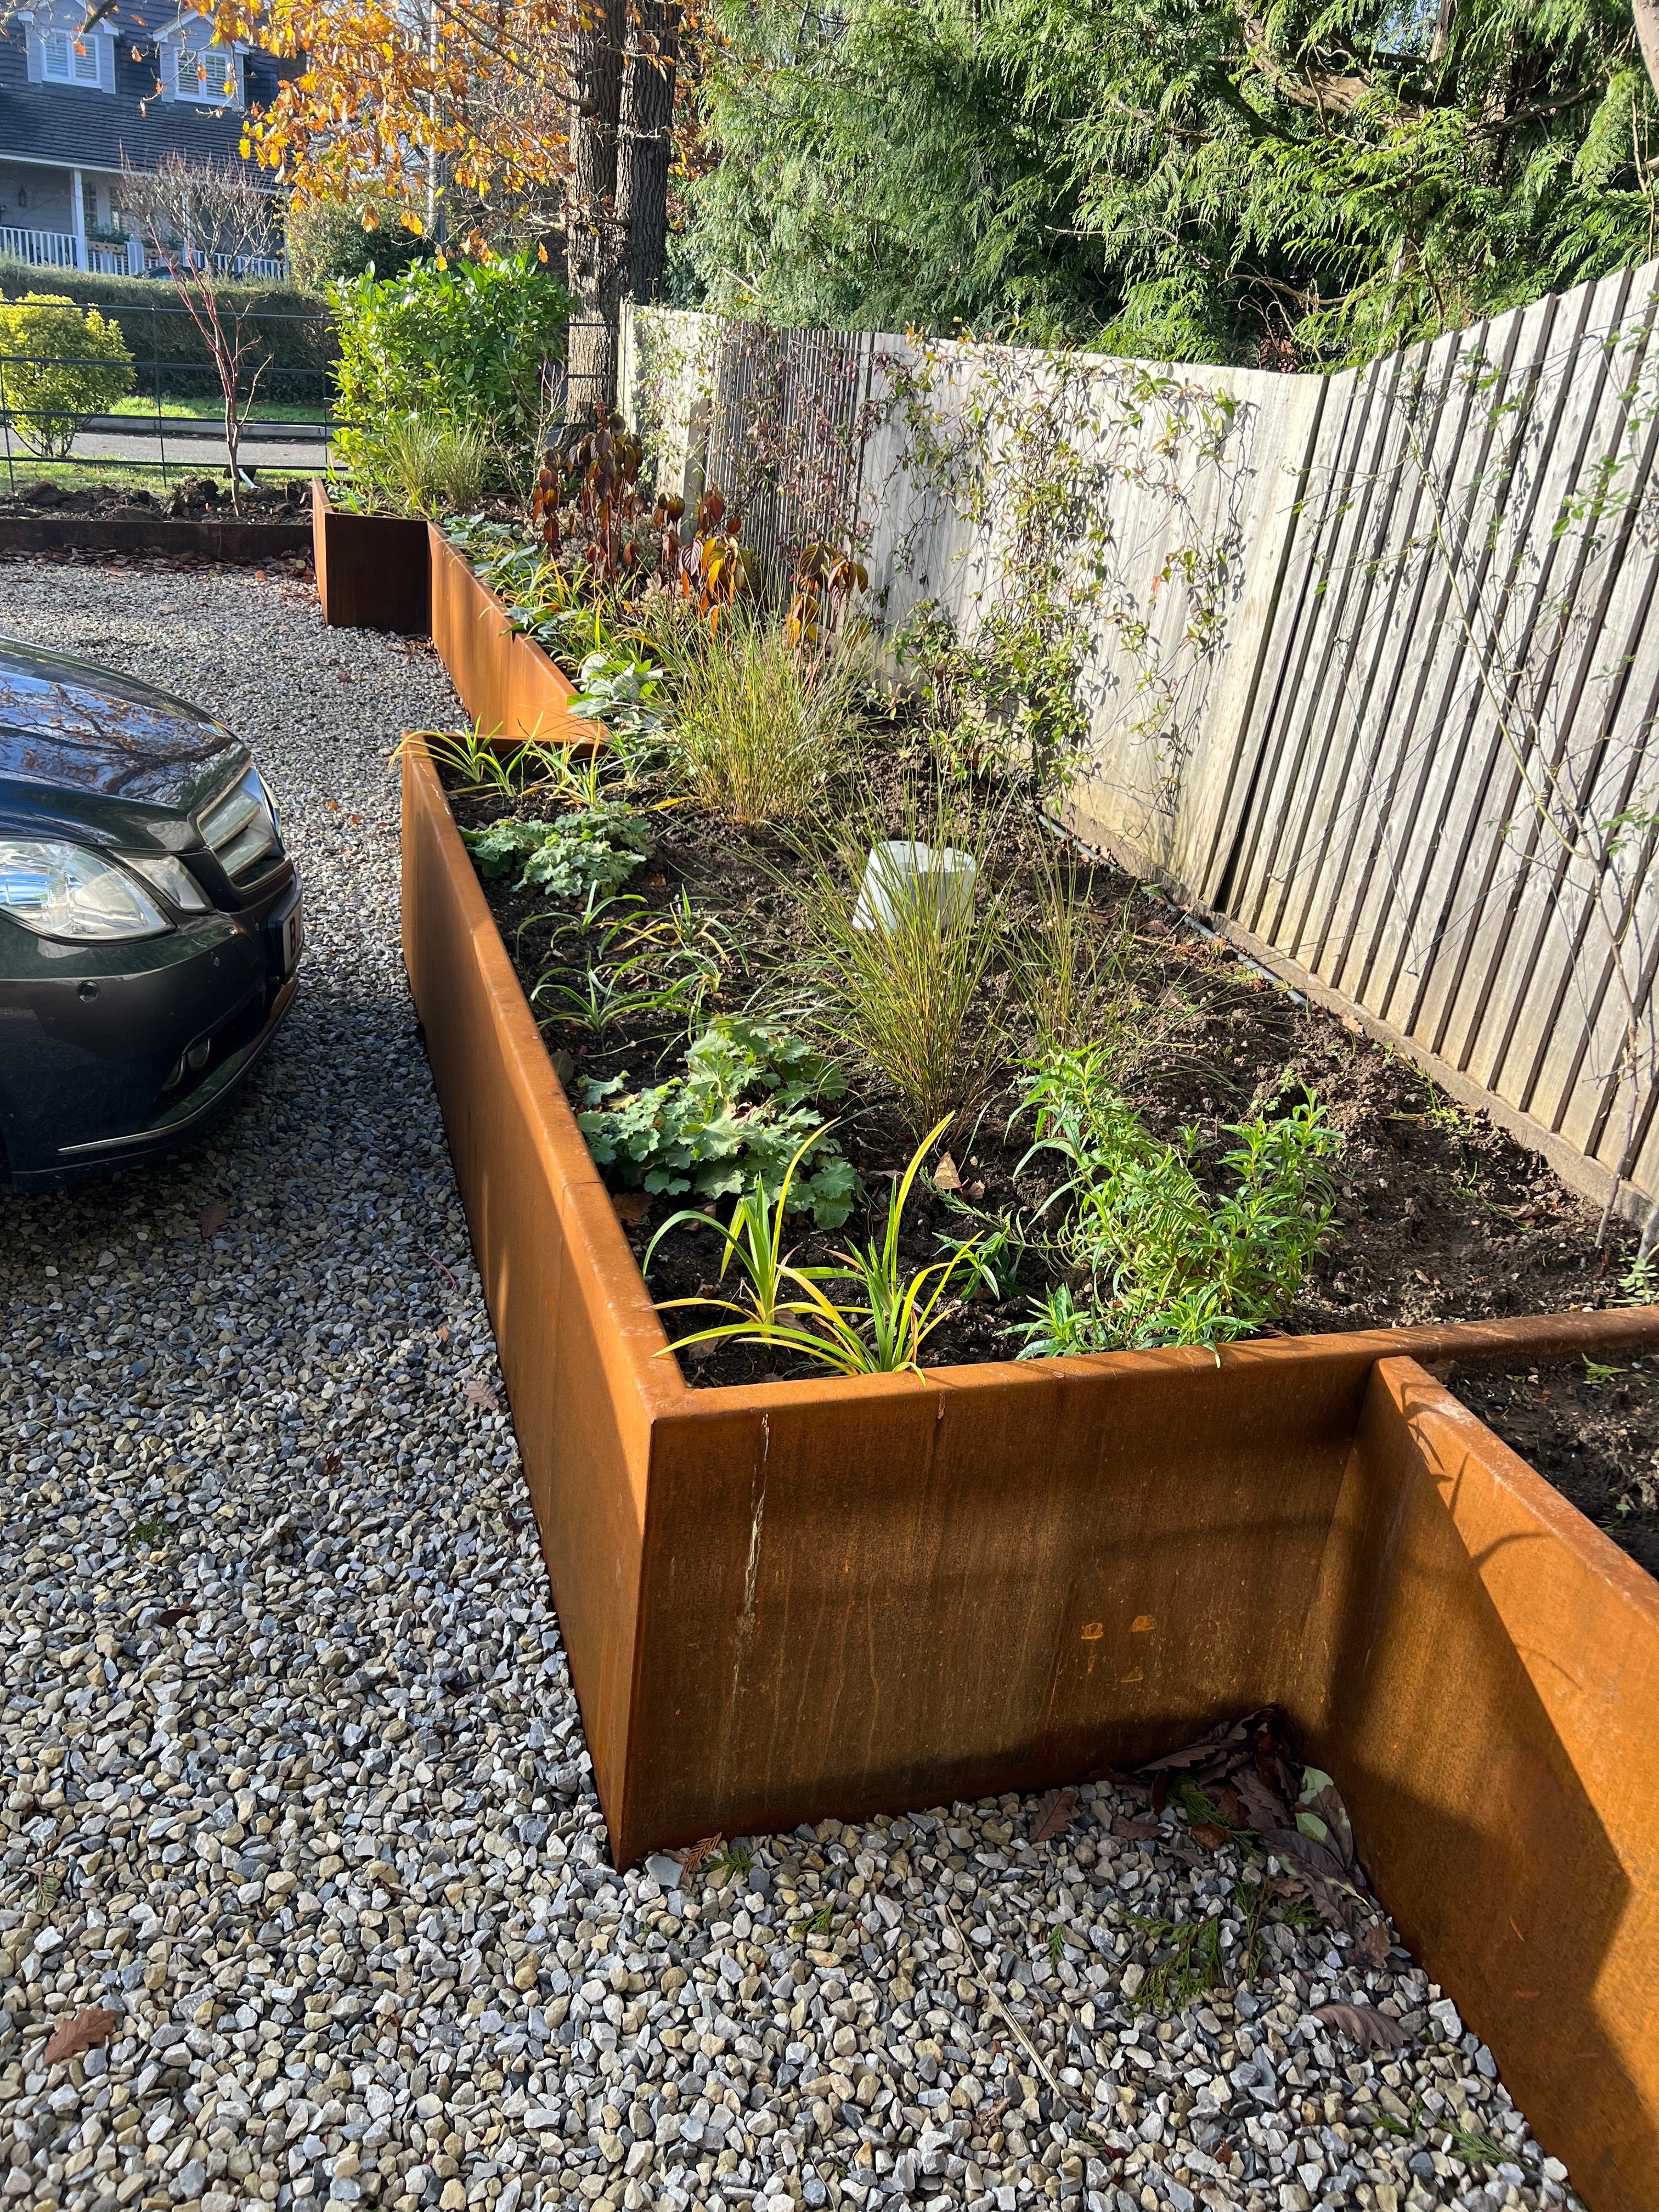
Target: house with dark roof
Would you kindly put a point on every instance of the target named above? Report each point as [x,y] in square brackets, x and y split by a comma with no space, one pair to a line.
[79,109]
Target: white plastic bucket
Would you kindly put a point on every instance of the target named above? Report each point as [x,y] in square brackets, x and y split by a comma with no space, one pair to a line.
[899,870]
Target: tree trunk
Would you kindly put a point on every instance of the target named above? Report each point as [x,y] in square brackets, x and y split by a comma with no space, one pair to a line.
[647,117]
[596,244]
[1646,13]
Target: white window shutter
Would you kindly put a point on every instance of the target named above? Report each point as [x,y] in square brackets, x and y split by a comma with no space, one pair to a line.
[37,73]
[169,71]
[106,62]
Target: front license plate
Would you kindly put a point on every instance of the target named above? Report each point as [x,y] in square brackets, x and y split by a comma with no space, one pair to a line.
[290,932]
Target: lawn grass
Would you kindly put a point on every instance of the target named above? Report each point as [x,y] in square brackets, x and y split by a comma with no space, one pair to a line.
[200,409]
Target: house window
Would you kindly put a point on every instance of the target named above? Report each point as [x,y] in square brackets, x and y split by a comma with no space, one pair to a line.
[65,60]
[209,72]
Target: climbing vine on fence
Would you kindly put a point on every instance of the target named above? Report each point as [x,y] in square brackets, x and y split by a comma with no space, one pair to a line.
[1091,491]
[1094,507]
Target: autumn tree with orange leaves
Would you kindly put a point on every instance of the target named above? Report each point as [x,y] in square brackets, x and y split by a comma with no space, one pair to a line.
[543,119]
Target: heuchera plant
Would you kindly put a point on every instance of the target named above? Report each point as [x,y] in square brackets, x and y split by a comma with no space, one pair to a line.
[734,1119]
[590,848]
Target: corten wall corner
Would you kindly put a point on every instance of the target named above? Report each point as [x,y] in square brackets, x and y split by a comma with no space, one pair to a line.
[1481,1674]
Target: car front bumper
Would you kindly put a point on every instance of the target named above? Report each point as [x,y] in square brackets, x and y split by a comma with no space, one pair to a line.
[117,1053]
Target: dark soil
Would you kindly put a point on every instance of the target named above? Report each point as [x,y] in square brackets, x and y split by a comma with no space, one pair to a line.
[191,498]
[1593,1431]
[1440,1215]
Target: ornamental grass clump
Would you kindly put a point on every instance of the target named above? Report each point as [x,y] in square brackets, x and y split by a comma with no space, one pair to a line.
[1072,969]
[913,984]
[760,724]
[431,468]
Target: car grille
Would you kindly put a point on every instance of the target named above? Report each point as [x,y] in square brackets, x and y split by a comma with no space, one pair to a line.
[240,829]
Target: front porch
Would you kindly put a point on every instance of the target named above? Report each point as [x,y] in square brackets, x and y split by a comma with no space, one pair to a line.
[70,219]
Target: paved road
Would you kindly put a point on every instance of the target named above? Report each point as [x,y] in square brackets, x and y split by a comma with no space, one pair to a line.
[191,443]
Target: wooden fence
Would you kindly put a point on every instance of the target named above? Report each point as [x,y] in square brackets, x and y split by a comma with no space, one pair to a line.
[1370,663]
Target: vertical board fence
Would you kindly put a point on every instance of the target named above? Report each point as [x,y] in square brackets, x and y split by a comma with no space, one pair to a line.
[1369,663]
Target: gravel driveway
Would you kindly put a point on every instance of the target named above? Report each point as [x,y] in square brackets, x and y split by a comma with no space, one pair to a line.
[295,1786]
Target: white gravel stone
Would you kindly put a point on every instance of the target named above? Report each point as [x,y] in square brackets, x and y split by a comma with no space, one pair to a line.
[295,1785]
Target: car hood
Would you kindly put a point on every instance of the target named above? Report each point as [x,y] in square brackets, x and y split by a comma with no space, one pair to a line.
[68,726]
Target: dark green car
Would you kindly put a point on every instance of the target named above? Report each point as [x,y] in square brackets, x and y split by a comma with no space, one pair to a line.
[149,920]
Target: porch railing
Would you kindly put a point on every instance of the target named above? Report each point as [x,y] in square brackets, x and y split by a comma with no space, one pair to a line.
[62,249]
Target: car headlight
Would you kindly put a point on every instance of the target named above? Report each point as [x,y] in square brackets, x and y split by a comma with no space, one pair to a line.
[241,829]
[171,878]
[64,890]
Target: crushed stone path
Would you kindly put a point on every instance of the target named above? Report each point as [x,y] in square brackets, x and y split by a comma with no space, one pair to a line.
[294,1784]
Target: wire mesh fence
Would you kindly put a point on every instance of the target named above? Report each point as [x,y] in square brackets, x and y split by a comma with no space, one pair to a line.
[156,404]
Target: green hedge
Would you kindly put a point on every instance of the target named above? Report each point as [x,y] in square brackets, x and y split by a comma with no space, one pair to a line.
[171,338]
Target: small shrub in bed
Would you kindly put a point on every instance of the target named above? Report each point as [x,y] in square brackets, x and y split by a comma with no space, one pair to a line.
[466,343]
[1162,1259]
[62,361]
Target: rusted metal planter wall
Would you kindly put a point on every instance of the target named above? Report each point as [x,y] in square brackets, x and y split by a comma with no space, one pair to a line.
[371,570]
[839,1597]
[508,685]
[244,544]
[1481,1674]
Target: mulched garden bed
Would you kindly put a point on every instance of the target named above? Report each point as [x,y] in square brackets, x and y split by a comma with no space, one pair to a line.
[1593,1431]
[1439,1216]
[187,498]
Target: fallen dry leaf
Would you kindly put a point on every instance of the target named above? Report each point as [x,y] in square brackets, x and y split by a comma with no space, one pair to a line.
[1370,2029]
[1055,1812]
[944,1173]
[173,1615]
[330,1462]
[695,1855]
[1371,1944]
[1211,1837]
[1136,1832]
[83,2030]
[212,1218]
[480,1393]
[631,1207]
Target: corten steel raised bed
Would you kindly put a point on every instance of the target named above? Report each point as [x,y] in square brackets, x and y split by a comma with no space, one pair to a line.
[839,1597]
[510,686]
[373,570]
[244,544]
